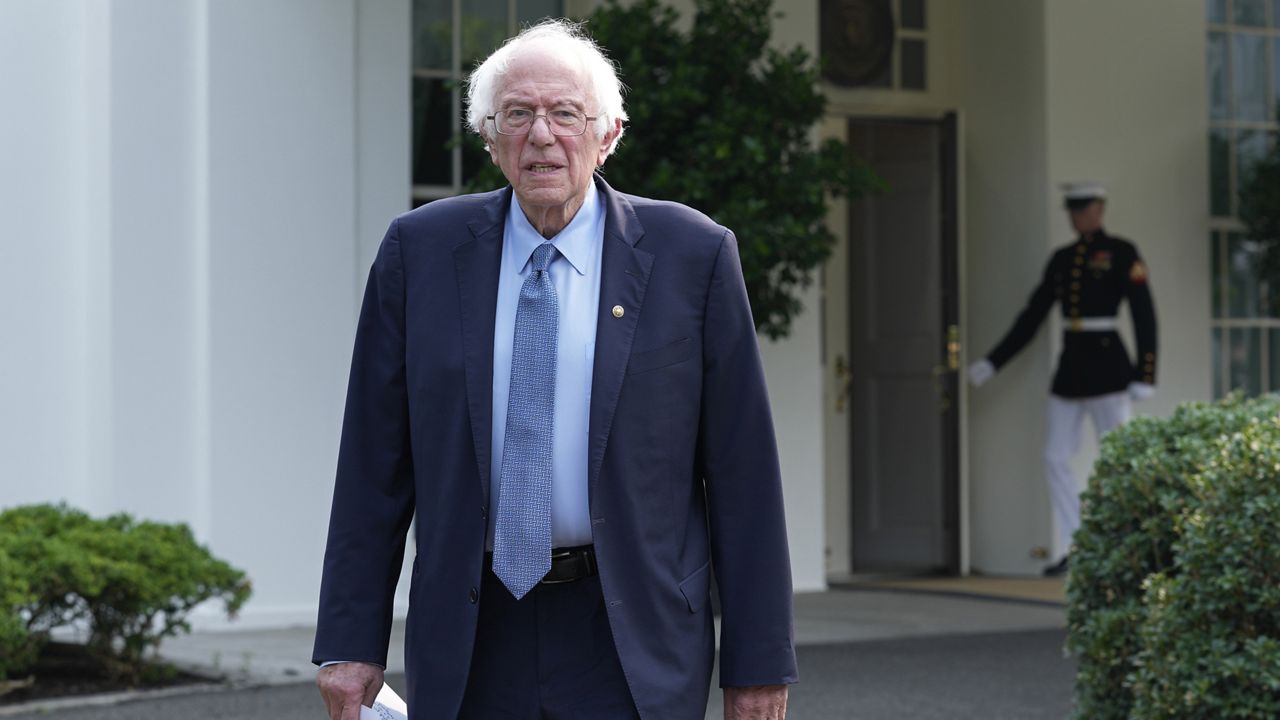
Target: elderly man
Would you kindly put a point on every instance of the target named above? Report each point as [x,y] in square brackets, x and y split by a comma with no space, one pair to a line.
[564,384]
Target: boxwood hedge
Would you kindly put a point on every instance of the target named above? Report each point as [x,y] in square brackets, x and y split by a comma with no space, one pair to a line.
[1151,484]
[129,583]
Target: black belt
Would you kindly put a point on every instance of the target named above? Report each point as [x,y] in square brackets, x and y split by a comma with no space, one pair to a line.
[567,564]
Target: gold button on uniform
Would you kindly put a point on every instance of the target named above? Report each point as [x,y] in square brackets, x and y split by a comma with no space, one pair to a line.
[618,311]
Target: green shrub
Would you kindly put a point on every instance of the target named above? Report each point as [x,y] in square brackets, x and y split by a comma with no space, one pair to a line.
[57,568]
[133,583]
[1132,514]
[17,647]
[1211,646]
[149,578]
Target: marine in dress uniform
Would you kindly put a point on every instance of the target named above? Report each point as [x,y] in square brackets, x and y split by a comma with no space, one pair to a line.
[1096,376]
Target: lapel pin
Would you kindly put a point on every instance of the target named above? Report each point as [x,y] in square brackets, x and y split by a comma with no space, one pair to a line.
[618,311]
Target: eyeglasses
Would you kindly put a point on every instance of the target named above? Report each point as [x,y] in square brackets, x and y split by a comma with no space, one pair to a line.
[519,121]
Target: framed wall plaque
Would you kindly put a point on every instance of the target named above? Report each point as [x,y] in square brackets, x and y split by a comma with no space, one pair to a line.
[856,40]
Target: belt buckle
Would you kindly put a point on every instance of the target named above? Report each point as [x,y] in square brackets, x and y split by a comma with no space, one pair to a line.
[558,556]
[545,581]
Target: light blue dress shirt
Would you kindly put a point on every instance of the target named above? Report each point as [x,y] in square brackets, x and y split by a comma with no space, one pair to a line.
[575,272]
[576,275]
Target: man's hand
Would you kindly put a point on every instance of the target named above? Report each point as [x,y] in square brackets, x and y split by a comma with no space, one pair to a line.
[1141,391]
[767,702]
[346,686]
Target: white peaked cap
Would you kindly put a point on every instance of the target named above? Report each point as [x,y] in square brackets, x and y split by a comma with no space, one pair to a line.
[1084,190]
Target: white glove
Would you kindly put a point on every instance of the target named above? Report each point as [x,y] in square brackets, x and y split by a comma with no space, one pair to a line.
[1141,391]
[980,372]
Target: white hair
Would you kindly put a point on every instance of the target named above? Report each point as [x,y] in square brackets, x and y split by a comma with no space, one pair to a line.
[568,37]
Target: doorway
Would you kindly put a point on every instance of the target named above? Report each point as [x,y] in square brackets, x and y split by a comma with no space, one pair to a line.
[903,340]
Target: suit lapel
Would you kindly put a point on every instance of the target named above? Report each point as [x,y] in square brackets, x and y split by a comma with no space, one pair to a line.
[625,275]
[478,261]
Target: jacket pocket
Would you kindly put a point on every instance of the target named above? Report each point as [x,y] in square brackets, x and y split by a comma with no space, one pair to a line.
[669,354]
[697,587]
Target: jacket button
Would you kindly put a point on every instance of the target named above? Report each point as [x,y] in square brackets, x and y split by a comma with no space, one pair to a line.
[473,596]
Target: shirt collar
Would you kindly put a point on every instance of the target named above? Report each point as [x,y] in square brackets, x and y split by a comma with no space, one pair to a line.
[576,242]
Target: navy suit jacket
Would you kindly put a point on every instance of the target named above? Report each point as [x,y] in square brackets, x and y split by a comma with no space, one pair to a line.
[683,467]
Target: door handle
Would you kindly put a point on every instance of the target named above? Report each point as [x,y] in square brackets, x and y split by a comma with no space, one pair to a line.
[940,372]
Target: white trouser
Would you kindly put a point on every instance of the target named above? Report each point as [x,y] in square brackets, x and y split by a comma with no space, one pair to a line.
[1061,442]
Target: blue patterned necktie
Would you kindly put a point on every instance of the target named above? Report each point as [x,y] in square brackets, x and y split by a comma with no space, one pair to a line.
[522,536]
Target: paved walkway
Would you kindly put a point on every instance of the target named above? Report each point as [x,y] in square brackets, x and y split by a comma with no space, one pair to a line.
[864,653]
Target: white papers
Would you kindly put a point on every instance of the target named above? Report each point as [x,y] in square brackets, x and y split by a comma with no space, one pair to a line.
[387,706]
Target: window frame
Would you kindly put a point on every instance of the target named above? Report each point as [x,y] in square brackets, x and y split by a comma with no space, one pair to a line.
[1221,227]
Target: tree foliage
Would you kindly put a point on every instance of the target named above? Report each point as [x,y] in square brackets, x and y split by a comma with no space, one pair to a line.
[722,122]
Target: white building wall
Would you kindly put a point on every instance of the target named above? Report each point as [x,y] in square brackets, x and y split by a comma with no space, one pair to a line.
[1138,121]
[794,371]
[182,250]
[151,248]
[44,138]
[1007,194]
[281,243]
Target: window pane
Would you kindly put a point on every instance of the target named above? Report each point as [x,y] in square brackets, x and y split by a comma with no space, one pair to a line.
[1217,11]
[1244,293]
[1215,262]
[1251,146]
[1251,12]
[1275,13]
[432,127]
[484,27]
[913,14]
[531,11]
[1249,76]
[474,158]
[1216,341]
[1219,173]
[1219,106]
[913,64]
[432,34]
[1245,361]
